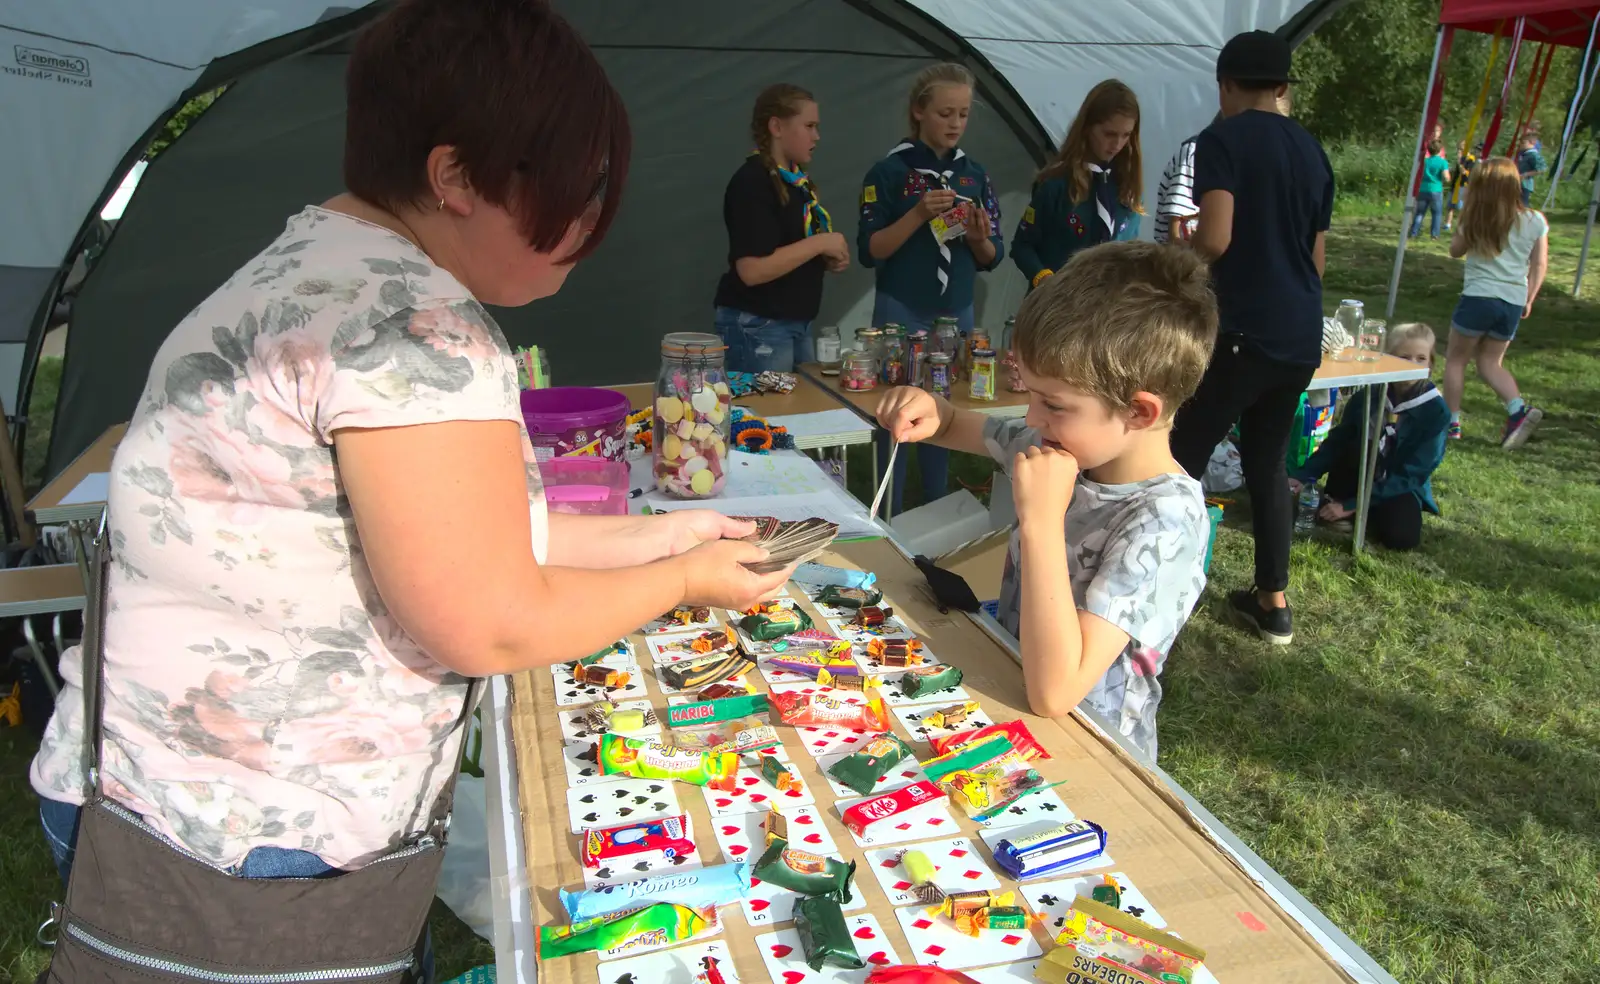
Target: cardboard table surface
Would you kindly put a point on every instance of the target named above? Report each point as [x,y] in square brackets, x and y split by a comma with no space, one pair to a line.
[1199,890]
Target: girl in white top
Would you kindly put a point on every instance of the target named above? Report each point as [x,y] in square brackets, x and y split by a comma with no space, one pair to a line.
[1506,249]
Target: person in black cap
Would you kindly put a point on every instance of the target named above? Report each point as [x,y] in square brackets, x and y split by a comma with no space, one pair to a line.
[1265,190]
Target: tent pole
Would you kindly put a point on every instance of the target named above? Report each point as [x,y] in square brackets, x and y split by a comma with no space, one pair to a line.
[1411,183]
[1572,116]
[1588,230]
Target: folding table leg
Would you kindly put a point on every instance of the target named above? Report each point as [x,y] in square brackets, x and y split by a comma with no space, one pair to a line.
[1373,424]
[39,657]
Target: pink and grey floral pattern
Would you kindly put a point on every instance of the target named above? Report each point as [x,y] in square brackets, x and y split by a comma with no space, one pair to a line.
[258,691]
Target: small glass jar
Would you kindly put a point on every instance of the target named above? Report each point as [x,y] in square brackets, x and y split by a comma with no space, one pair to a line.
[947,339]
[938,374]
[829,351]
[1350,315]
[917,356]
[693,417]
[895,368]
[1369,344]
[870,341]
[860,370]
[983,371]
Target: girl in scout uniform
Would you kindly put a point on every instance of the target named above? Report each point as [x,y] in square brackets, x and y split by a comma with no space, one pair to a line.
[1092,193]
[925,268]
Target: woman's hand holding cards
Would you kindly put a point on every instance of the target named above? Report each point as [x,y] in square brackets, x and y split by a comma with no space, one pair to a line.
[714,575]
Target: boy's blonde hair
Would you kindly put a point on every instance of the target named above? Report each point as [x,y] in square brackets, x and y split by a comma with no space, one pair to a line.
[1120,319]
[1412,331]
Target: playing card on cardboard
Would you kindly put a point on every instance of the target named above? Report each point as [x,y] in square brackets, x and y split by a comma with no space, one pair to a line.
[769,903]
[571,693]
[913,718]
[673,648]
[618,871]
[786,962]
[895,696]
[1044,805]
[892,628]
[820,741]
[713,927]
[957,863]
[683,620]
[774,675]
[1020,972]
[931,819]
[935,939]
[679,965]
[575,723]
[741,682]
[752,793]
[582,769]
[744,837]
[904,774]
[833,613]
[1050,900]
[618,654]
[624,801]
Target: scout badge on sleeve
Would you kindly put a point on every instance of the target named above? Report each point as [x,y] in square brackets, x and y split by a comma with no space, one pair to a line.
[655,925]
[669,836]
[862,770]
[722,884]
[1101,943]
[646,759]
[824,937]
[1063,846]
[803,872]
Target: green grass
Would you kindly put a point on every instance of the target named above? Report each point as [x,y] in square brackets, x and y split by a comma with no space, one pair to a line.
[1424,762]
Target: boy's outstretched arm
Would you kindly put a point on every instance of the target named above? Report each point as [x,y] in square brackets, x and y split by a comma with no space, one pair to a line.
[1064,651]
[911,414]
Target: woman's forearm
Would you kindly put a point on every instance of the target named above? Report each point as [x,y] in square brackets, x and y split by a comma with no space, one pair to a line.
[604,542]
[888,240]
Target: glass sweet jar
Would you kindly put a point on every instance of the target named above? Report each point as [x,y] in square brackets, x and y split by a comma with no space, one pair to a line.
[693,416]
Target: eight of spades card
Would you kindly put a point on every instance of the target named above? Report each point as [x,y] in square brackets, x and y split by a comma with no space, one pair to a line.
[1050,900]
[624,801]
[786,963]
[958,866]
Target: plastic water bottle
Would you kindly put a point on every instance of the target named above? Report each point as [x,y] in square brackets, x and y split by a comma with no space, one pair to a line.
[1305,510]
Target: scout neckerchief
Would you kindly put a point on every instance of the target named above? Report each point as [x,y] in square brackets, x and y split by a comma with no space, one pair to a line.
[920,158]
[817,217]
[1391,420]
[1104,192]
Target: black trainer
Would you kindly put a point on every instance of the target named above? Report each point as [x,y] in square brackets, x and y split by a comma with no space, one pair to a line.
[1274,625]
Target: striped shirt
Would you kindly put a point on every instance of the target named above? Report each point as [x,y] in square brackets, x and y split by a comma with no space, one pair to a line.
[1176,195]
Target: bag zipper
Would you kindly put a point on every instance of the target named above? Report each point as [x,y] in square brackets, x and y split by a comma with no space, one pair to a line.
[221,977]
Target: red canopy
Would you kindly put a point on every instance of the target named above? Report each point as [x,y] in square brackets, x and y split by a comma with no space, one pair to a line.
[1554,21]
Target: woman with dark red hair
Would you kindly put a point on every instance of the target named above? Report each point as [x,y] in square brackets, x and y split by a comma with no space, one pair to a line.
[325,521]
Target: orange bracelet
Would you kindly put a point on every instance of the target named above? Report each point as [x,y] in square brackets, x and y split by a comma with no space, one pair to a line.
[1038,278]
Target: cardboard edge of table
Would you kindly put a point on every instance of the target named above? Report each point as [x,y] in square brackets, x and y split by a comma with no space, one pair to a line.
[45,508]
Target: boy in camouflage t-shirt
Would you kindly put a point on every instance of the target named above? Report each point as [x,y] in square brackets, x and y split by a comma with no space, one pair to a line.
[1104,567]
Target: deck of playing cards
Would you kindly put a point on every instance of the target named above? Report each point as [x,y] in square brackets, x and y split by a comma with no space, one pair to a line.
[789,543]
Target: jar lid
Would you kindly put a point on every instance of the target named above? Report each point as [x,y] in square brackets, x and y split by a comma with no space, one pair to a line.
[869,332]
[1351,302]
[983,353]
[939,357]
[897,331]
[691,343]
[919,333]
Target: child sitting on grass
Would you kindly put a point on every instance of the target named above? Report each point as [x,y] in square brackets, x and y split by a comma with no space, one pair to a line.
[1416,423]
[1106,564]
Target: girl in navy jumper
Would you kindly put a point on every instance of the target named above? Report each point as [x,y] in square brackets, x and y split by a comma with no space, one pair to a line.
[1411,447]
[1092,193]
[920,276]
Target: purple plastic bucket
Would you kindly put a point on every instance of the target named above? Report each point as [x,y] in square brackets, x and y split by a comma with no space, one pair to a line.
[567,420]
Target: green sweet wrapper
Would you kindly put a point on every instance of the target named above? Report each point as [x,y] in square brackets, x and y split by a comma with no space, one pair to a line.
[919,680]
[862,770]
[784,622]
[835,596]
[654,925]
[824,937]
[803,872]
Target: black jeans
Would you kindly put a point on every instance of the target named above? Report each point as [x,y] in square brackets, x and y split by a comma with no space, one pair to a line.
[1260,395]
[1395,522]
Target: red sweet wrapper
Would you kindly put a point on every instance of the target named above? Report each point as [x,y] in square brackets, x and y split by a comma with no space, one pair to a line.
[1022,740]
[870,811]
[668,836]
[917,974]
[817,710]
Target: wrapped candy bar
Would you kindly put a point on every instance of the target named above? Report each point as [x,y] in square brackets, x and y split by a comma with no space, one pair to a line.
[1108,892]
[664,922]
[812,641]
[1021,739]
[949,717]
[1099,943]
[643,758]
[994,917]
[861,770]
[859,817]
[836,596]
[819,710]
[668,837]
[779,775]
[846,679]
[698,888]
[775,625]
[965,903]
[973,756]
[920,872]
[921,680]
[824,937]
[775,826]
[605,716]
[811,664]
[717,691]
[895,652]
[691,674]
[871,616]
[1060,847]
[686,615]
[615,649]
[596,675]
[803,872]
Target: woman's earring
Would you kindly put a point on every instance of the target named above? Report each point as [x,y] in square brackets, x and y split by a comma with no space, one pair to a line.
[441,204]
